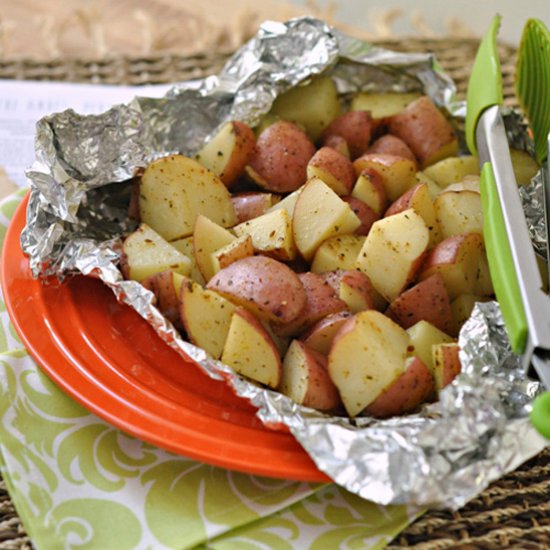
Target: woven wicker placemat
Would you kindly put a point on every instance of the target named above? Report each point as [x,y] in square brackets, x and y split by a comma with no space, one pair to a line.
[513,512]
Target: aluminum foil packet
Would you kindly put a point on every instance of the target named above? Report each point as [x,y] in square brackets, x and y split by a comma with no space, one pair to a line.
[77,214]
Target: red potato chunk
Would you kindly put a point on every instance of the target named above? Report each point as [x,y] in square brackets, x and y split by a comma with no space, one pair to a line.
[266,287]
[427,132]
[392,145]
[367,216]
[280,158]
[406,393]
[320,336]
[355,127]
[335,169]
[426,301]
[321,300]
[251,205]
[305,379]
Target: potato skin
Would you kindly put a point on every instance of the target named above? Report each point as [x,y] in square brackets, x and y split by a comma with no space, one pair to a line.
[425,130]
[281,156]
[251,204]
[364,212]
[355,127]
[405,394]
[264,286]
[392,145]
[336,165]
[426,301]
[321,300]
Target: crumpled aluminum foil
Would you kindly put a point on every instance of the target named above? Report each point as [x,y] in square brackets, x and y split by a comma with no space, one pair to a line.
[81,180]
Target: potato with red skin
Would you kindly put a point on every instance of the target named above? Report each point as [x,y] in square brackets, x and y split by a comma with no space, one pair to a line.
[321,300]
[420,200]
[446,361]
[397,173]
[334,168]
[266,287]
[249,205]
[364,212]
[406,393]
[367,355]
[427,132]
[250,350]
[428,301]
[320,336]
[227,153]
[353,287]
[391,145]
[457,259]
[393,253]
[280,158]
[166,286]
[305,379]
[339,144]
[355,127]
[369,188]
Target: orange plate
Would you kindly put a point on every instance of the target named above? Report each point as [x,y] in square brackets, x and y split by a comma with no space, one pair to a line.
[110,360]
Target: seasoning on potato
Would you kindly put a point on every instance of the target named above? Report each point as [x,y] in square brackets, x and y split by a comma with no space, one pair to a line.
[311,254]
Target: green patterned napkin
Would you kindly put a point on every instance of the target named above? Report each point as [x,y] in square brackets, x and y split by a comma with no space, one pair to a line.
[78,482]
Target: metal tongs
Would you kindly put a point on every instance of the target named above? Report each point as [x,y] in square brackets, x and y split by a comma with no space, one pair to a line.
[517,281]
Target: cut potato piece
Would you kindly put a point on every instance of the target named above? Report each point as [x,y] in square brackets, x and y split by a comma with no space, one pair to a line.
[252,204]
[271,234]
[391,145]
[423,336]
[333,168]
[174,190]
[166,286]
[446,364]
[406,393]
[452,170]
[353,288]
[433,188]
[238,249]
[288,202]
[525,166]
[364,212]
[366,357]
[427,132]
[458,212]
[208,237]
[337,253]
[145,252]
[305,379]
[279,160]
[462,307]
[428,300]
[185,246]
[321,300]
[382,105]
[369,188]
[355,127]
[320,336]
[312,105]
[393,252]
[397,173]
[226,154]
[266,287]
[250,351]
[420,200]
[320,213]
[206,317]
[457,260]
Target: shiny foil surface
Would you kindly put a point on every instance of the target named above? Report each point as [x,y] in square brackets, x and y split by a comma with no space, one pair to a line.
[77,215]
